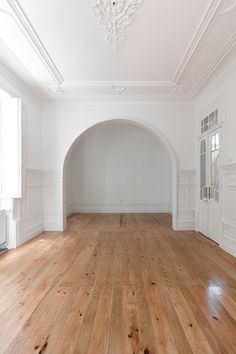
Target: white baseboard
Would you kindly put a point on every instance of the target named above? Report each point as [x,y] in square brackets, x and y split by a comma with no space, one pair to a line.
[70,209]
[27,232]
[228,241]
[53,225]
[185,220]
[185,225]
[121,208]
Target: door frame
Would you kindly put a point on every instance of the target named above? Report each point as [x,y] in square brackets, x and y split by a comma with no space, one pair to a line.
[200,137]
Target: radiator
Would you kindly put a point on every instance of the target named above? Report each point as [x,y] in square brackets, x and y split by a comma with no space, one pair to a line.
[3,229]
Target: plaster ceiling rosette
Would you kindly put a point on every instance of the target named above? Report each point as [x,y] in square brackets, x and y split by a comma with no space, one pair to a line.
[115,16]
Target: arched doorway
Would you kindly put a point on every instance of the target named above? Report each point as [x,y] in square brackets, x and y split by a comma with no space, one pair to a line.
[155,133]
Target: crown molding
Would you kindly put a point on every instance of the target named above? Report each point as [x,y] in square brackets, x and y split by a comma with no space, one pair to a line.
[109,84]
[222,54]
[207,20]
[28,30]
[115,90]
[14,86]
[120,98]
[172,90]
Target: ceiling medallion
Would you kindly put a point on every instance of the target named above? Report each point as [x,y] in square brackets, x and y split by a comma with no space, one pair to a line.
[115,16]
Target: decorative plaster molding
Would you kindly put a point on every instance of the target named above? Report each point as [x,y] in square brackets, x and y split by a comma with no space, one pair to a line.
[159,90]
[182,89]
[119,89]
[55,90]
[201,32]
[108,90]
[109,84]
[28,30]
[230,44]
[115,16]
[228,9]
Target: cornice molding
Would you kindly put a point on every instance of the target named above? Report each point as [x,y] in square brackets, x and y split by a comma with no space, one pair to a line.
[207,20]
[109,84]
[222,54]
[165,90]
[12,85]
[120,98]
[28,30]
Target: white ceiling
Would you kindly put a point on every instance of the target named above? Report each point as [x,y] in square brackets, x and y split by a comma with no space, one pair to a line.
[172,47]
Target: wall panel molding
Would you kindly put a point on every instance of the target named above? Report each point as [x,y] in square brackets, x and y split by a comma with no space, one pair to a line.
[52,185]
[186,200]
[228,241]
[31,206]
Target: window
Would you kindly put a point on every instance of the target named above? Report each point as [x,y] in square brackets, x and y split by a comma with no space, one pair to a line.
[209,122]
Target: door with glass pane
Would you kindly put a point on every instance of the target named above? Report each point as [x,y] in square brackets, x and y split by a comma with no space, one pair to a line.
[210,189]
[203,207]
[215,219]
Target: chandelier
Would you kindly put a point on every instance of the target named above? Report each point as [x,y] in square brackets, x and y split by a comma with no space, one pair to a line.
[115,16]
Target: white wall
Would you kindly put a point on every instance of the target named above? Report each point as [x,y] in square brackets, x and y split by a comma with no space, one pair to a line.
[26,214]
[221,94]
[65,121]
[119,167]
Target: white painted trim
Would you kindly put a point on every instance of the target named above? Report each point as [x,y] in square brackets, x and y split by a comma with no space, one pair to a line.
[185,225]
[177,90]
[50,225]
[29,232]
[200,33]
[96,207]
[221,55]
[228,241]
[28,30]
[108,84]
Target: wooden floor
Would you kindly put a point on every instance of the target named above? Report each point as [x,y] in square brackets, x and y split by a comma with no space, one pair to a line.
[118,284]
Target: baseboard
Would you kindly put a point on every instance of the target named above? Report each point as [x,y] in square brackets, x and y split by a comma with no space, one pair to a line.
[185,225]
[229,249]
[185,220]
[228,241]
[29,232]
[70,209]
[53,226]
[121,208]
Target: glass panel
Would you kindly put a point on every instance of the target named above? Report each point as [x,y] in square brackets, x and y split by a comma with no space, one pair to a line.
[213,142]
[202,169]
[217,141]
[215,167]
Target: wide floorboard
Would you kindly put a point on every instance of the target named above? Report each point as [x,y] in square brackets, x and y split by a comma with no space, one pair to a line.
[118,284]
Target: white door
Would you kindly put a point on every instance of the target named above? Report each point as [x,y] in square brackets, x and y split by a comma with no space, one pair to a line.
[210,220]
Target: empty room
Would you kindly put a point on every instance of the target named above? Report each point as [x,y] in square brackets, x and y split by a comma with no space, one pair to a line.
[117,177]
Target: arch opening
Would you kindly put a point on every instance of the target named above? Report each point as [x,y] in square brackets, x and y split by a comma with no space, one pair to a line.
[121,192]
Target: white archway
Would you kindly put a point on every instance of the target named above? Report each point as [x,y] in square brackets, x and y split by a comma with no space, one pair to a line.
[150,129]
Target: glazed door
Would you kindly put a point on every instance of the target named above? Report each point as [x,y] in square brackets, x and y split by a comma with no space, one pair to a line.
[203,207]
[210,186]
